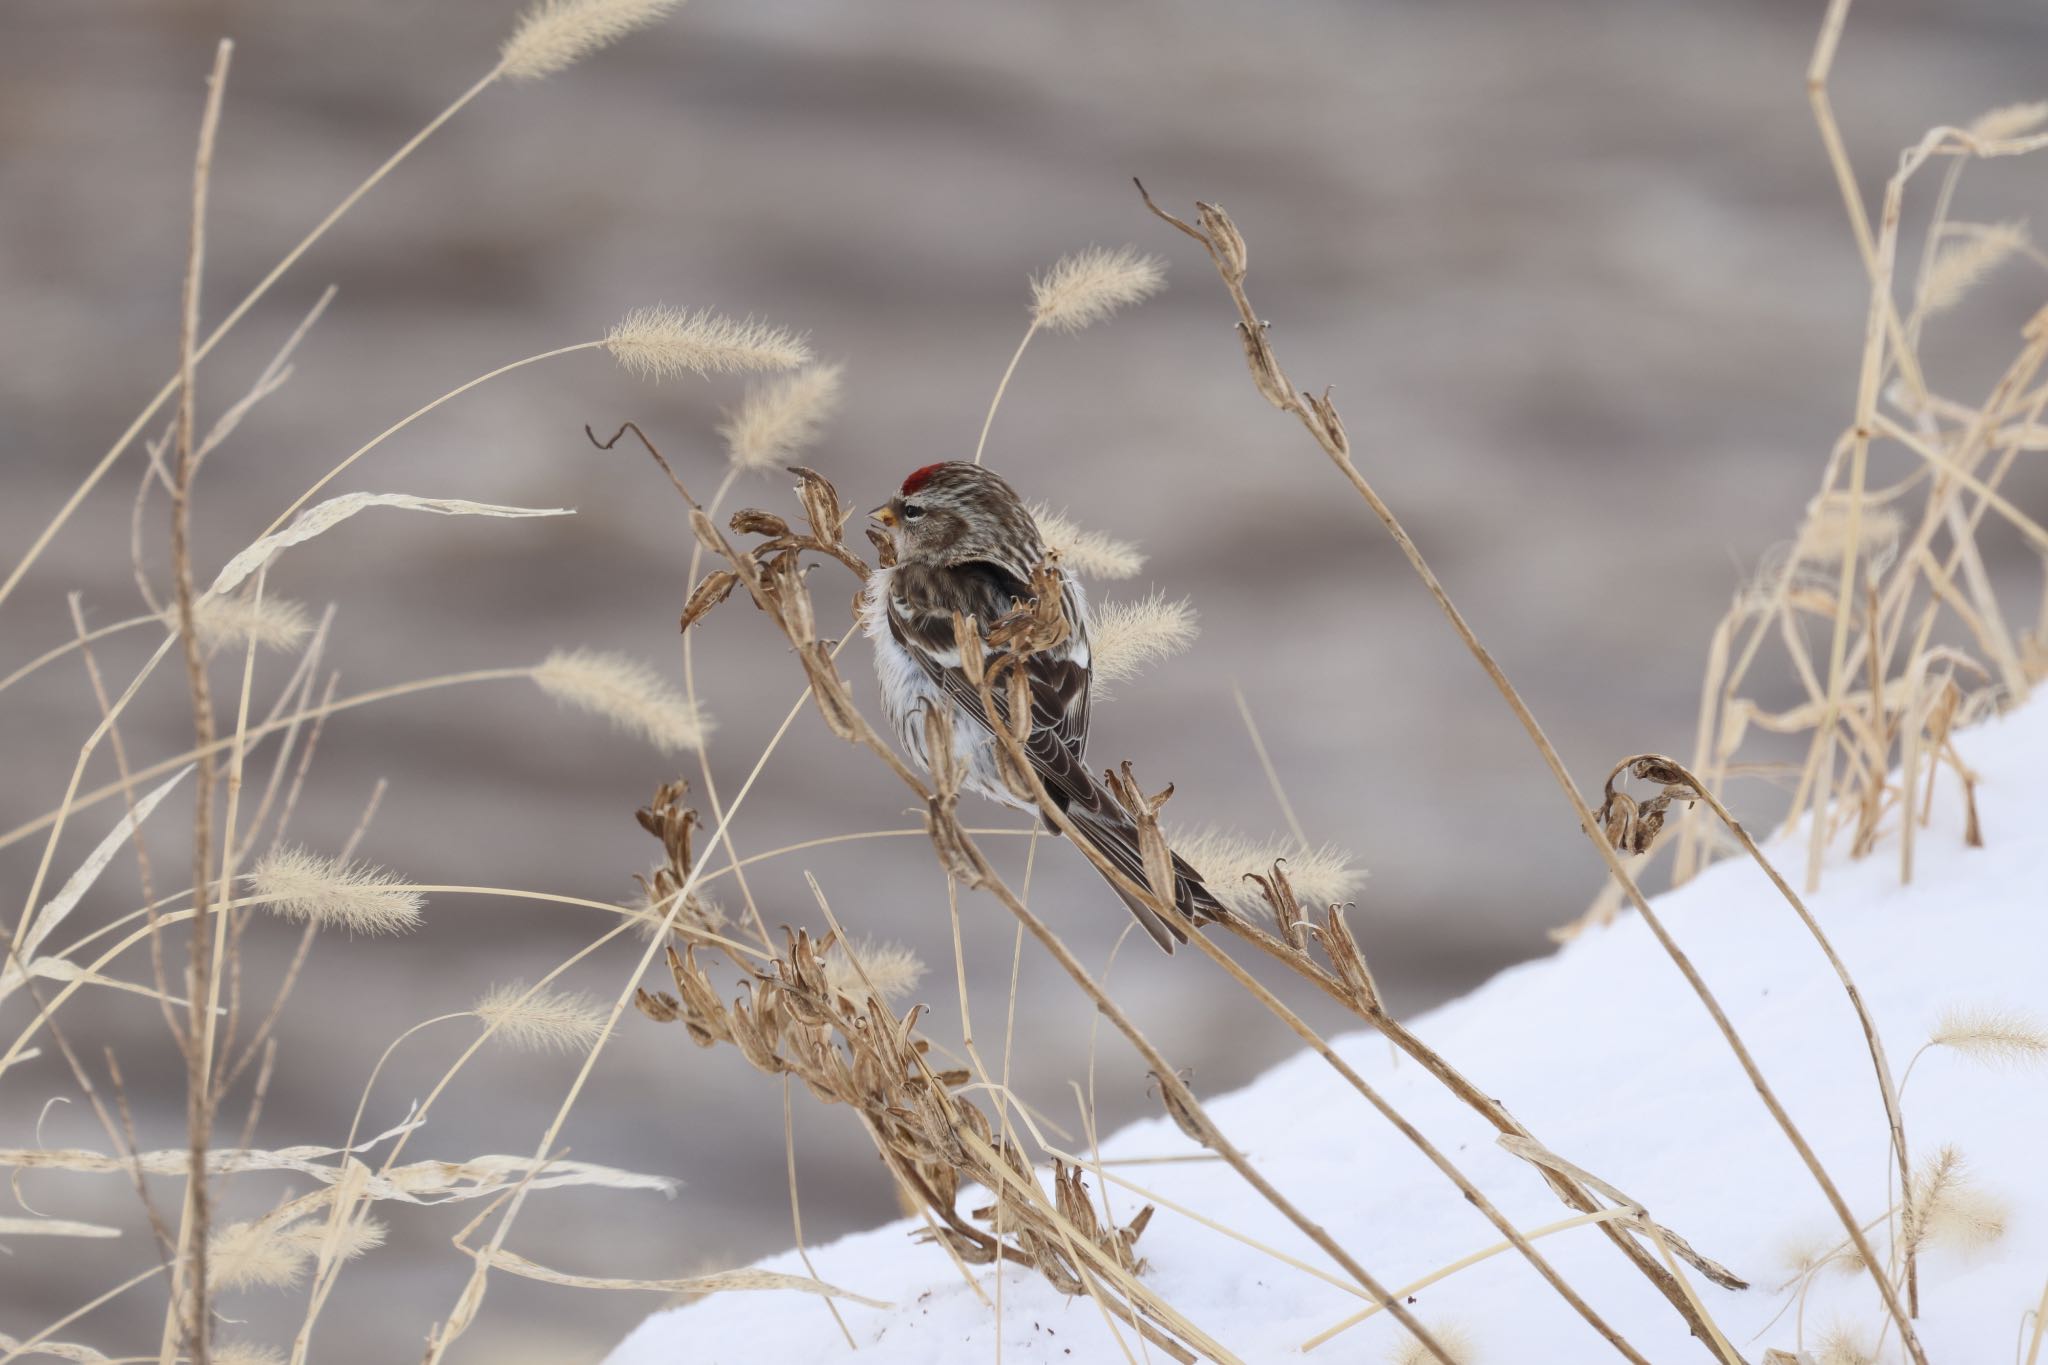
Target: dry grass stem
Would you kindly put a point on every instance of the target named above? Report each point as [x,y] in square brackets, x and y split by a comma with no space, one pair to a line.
[632,696]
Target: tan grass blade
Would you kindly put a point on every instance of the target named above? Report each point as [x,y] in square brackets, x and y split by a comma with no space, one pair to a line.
[325,516]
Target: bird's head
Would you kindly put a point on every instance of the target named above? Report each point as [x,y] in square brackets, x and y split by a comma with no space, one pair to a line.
[954,513]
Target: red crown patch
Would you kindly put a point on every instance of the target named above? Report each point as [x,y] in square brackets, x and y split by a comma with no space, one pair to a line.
[920,477]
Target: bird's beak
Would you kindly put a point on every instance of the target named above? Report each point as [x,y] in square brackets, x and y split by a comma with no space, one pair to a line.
[886,515]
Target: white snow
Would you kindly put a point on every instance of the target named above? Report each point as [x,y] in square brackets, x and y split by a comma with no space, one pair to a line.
[1608,1058]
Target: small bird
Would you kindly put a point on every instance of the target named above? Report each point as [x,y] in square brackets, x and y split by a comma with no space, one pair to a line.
[966,544]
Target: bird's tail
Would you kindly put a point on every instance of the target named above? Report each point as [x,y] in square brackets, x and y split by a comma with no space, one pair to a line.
[1112,833]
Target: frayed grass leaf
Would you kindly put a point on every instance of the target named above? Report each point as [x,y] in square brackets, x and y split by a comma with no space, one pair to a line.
[542,1021]
[554,34]
[661,342]
[1126,638]
[332,894]
[53,1227]
[777,418]
[1087,553]
[324,516]
[1090,285]
[632,696]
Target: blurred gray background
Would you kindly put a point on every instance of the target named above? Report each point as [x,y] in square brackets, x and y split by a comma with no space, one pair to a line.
[1577,271]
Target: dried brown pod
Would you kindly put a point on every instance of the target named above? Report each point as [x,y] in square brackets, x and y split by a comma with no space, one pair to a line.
[713,589]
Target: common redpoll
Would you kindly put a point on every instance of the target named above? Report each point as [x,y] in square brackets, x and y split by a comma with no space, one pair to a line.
[966,544]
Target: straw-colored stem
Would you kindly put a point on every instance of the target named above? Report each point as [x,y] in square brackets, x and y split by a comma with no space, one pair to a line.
[997,401]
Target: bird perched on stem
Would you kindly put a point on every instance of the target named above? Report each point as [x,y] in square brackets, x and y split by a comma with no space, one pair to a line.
[966,546]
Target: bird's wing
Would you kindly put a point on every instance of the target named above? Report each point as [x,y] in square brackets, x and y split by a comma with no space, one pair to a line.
[921,607]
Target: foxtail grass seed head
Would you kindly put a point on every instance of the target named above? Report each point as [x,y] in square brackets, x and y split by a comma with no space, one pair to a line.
[2007,121]
[1825,535]
[1973,251]
[894,969]
[632,696]
[1087,553]
[554,34]
[777,418]
[545,1021]
[1455,1340]
[274,623]
[1320,876]
[334,895]
[1844,1344]
[1993,1037]
[271,1256]
[246,1353]
[1126,638]
[1082,289]
[661,342]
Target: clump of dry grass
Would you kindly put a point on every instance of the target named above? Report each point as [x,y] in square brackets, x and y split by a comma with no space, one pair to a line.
[777,418]
[555,34]
[540,1020]
[632,696]
[662,342]
[333,893]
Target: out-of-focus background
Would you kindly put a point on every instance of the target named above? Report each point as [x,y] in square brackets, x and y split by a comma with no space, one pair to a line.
[1578,274]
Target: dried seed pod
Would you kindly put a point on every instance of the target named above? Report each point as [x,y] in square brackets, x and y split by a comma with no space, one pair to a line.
[1226,243]
[713,589]
[752,521]
[707,534]
[822,508]
[1348,961]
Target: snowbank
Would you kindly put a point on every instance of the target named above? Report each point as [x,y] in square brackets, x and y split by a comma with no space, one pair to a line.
[1609,1059]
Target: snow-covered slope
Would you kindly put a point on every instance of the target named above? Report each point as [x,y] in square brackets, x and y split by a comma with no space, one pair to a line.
[1607,1057]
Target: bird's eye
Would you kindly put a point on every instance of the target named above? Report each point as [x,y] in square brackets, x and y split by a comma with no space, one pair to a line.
[911,511]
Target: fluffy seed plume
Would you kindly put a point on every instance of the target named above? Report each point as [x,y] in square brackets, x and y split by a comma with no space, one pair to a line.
[276,623]
[1320,876]
[776,418]
[1980,249]
[1993,1037]
[893,968]
[661,342]
[249,1255]
[1826,533]
[1082,289]
[1455,1340]
[1087,553]
[332,894]
[632,696]
[559,33]
[650,912]
[548,1021]
[1126,638]
[2008,120]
